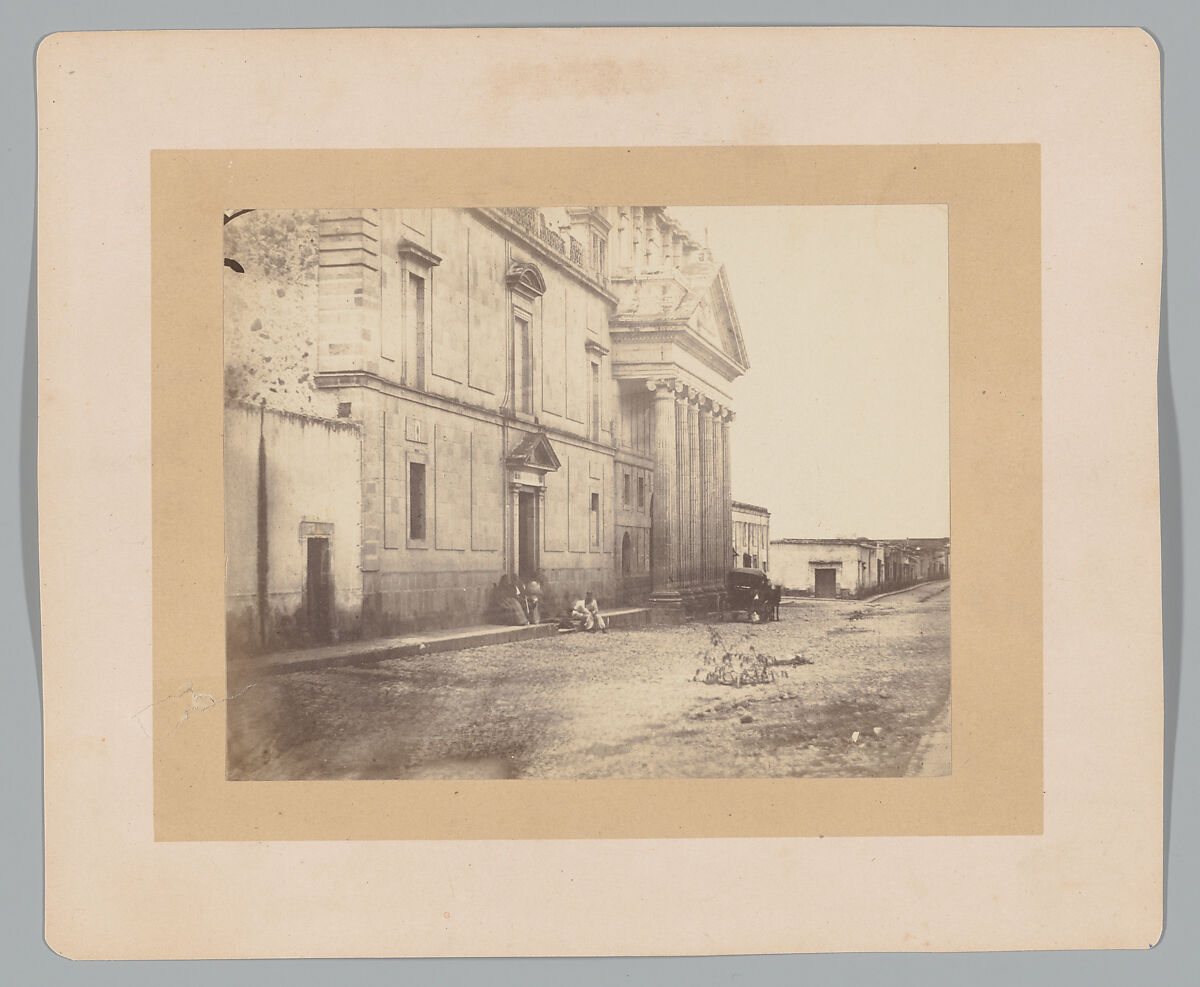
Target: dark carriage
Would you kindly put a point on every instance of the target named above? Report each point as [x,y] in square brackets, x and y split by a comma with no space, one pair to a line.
[750,593]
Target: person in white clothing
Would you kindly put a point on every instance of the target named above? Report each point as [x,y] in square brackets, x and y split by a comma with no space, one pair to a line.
[587,613]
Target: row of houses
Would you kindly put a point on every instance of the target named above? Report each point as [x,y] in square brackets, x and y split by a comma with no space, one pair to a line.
[848,567]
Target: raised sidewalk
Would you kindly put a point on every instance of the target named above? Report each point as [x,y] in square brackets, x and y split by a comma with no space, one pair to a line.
[427,643]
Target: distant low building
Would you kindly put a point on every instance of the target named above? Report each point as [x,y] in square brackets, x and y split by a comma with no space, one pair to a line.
[751,535]
[847,567]
[825,567]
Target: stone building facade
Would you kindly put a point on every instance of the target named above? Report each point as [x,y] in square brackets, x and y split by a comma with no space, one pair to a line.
[751,536]
[847,567]
[529,389]
[826,567]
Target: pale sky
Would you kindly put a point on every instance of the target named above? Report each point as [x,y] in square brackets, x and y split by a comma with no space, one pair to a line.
[843,418]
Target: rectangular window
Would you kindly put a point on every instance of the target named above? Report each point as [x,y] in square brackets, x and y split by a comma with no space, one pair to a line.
[416,319]
[595,540]
[522,368]
[599,254]
[641,491]
[416,501]
[595,402]
[625,490]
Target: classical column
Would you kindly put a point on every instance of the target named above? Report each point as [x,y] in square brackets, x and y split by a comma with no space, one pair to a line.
[663,516]
[693,515]
[704,508]
[726,488]
[716,526]
[719,550]
[683,452]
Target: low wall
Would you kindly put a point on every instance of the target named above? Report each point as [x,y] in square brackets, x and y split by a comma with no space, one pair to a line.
[289,477]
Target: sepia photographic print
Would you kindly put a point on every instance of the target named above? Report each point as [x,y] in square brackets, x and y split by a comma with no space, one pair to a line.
[316,646]
[587,492]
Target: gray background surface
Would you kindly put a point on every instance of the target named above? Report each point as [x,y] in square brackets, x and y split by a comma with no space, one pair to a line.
[26,958]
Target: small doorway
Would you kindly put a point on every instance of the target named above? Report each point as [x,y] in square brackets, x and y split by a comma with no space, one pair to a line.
[318,603]
[527,540]
[826,583]
[626,555]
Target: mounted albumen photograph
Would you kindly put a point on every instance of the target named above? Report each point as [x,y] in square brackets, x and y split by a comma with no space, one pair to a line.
[587,492]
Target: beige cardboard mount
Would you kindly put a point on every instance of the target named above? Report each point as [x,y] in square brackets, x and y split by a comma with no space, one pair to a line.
[1045,147]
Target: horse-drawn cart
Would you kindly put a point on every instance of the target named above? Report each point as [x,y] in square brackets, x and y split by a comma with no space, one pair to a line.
[750,595]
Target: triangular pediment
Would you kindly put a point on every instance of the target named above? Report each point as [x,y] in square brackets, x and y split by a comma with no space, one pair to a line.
[711,315]
[534,452]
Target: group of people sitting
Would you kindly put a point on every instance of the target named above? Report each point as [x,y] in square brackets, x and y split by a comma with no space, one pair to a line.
[519,603]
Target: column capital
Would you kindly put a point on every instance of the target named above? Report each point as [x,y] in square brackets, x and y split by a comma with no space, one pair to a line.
[662,385]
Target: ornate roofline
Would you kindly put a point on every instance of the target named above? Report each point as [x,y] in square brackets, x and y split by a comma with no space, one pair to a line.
[495,216]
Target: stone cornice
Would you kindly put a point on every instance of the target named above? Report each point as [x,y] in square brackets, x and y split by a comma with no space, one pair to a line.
[410,249]
[331,380]
[678,332]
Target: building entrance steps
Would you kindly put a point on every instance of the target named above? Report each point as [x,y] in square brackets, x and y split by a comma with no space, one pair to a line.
[430,642]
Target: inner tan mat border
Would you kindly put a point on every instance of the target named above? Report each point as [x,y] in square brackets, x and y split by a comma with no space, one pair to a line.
[993,194]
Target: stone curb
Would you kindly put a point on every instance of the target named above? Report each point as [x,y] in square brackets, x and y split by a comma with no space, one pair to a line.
[372,652]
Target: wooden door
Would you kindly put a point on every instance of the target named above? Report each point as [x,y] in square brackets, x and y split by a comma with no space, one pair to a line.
[319,590]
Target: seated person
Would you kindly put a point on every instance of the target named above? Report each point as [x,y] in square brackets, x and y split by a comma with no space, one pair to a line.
[586,614]
[533,599]
[508,602]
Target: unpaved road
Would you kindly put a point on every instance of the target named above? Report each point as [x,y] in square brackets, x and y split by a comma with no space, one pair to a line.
[623,705]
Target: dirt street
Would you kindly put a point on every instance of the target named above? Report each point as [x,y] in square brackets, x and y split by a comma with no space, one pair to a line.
[624,705]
